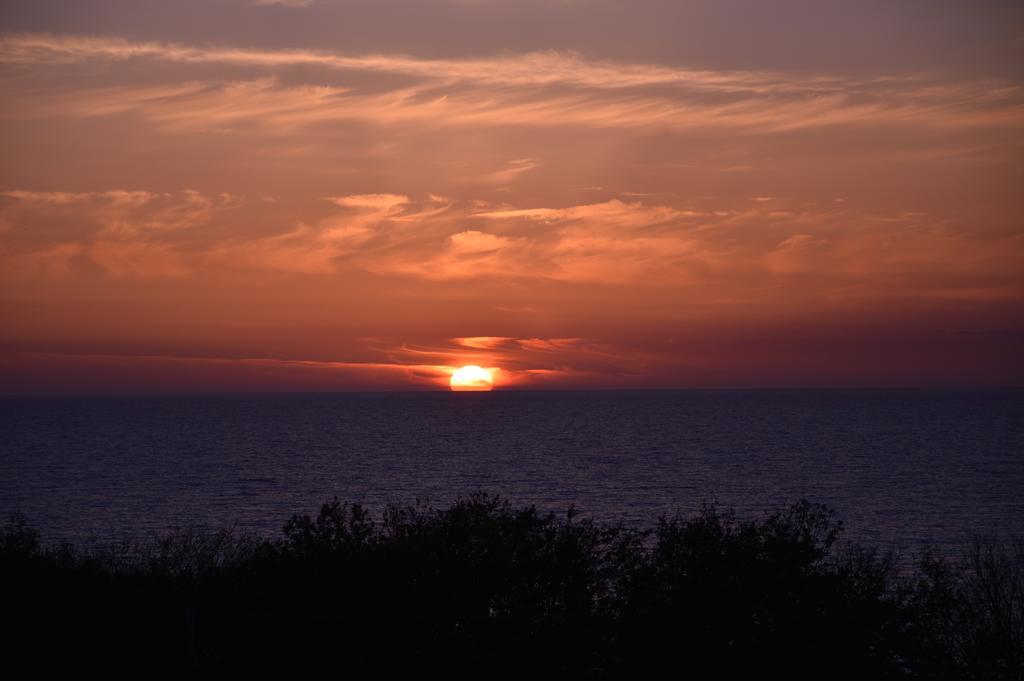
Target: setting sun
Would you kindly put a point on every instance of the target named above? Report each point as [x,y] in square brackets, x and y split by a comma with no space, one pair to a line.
[472,377]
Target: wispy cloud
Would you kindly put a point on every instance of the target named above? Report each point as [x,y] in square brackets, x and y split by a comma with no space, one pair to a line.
[513,170]
[534,69]
[297,4]
[127,372]
[514,362]
[508,90]
[116,197]
[279,108]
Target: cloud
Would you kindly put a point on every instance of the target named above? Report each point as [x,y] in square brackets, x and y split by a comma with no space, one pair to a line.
[466,254]
[317,248]
[56,261]
[795,253]
[550,344]
[513,170]
[483,342]
[549,89]
[127,233]
[386,203]
[304,249]
[533,69]
[472,242]
[175,373]
[535,362]
[297,4]
[277,109]
[515,363]
[116,197]
[751,253]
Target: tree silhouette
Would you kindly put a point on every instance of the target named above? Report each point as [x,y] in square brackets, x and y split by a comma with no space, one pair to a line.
[483,587]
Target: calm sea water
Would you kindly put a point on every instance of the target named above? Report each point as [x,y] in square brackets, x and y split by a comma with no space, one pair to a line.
[900,467]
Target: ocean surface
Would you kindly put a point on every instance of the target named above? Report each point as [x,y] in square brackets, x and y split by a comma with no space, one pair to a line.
[901,468]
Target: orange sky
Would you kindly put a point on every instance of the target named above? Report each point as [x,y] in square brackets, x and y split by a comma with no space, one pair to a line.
[344,195]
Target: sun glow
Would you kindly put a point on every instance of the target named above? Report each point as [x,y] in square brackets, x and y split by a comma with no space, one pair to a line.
[472,377]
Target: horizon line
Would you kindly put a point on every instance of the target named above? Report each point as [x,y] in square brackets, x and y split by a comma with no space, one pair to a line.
[429,391]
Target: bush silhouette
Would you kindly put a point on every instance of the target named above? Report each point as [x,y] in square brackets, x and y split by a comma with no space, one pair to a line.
[482,587]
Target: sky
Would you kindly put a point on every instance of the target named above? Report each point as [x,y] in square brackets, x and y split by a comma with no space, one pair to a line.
[312,195]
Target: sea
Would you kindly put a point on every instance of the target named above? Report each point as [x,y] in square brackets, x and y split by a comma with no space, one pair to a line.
[902,469]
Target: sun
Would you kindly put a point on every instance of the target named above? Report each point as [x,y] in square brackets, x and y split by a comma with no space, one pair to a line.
[472,377]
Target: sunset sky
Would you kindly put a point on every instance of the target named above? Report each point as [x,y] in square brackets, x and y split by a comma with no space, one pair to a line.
[281,195]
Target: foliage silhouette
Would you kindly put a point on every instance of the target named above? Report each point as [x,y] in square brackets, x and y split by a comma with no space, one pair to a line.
[482,587]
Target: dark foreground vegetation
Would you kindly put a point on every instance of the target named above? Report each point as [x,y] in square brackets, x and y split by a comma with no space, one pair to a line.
[486,589]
